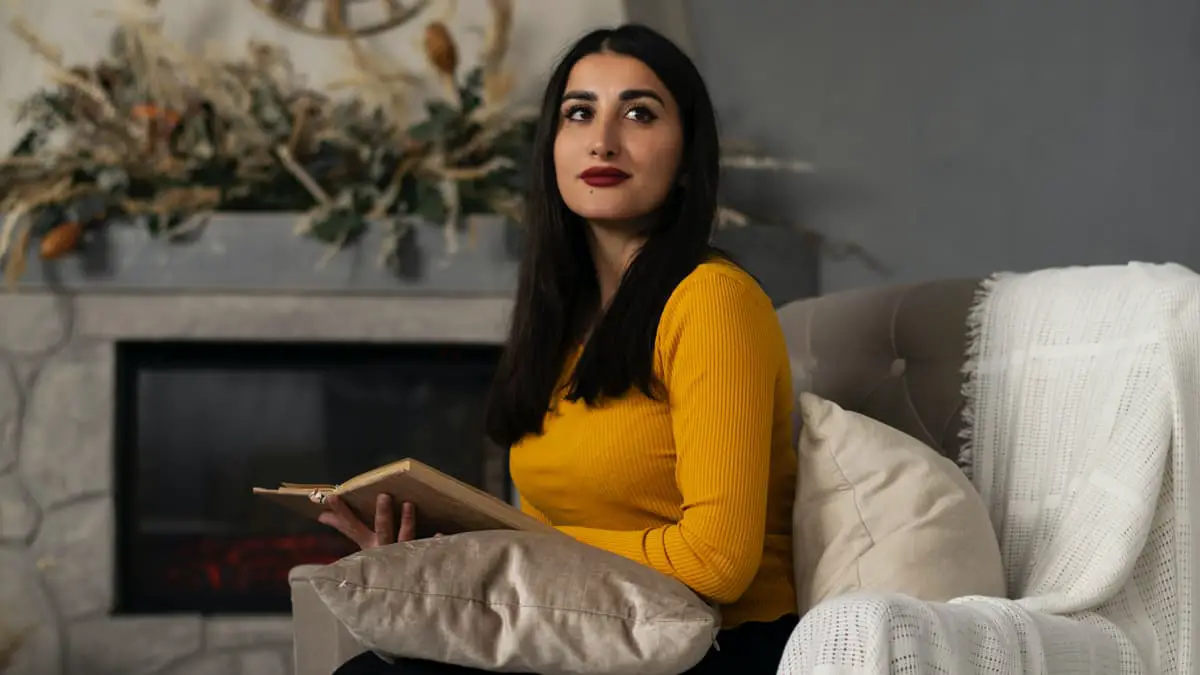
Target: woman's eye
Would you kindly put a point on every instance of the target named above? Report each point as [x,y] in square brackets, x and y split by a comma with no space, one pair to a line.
[640,114]
[577,113]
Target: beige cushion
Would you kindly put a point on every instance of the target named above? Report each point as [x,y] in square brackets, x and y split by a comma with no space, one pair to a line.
[877,510]
[524,602]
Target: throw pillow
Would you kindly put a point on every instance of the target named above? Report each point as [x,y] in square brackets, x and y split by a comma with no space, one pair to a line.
[877,510]
[518,601]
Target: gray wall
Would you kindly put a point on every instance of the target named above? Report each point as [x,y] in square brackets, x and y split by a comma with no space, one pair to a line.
[959,138]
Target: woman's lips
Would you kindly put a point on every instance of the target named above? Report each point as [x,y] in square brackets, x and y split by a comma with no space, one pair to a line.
[603,176]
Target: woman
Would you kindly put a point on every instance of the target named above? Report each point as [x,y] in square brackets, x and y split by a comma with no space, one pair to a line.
[645,389]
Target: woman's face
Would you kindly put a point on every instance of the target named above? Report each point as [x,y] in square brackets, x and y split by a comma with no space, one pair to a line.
[619,141]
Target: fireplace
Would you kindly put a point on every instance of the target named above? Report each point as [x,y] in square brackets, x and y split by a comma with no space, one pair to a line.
[199,423]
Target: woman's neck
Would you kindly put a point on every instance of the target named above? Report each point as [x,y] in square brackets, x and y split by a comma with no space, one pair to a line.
[612,251]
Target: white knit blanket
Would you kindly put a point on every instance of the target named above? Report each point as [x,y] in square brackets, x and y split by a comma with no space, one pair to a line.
[1084,386]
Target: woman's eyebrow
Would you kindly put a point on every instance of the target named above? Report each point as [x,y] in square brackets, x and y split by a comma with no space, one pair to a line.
[627,95]
[633,94]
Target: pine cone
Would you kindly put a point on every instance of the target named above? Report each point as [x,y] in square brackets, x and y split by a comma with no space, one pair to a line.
[61,240]
[440,48]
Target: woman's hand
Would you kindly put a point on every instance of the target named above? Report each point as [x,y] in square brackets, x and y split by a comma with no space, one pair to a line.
[340,517]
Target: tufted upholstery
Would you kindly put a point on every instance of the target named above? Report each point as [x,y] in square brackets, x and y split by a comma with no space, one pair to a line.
[894,354]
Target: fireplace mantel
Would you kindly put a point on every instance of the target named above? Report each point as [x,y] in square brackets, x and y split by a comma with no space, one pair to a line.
[58,332]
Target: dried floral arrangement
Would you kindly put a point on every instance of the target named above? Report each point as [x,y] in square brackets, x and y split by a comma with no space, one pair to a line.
[159,137]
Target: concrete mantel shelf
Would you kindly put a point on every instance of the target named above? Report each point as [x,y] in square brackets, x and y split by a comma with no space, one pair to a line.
[261,252]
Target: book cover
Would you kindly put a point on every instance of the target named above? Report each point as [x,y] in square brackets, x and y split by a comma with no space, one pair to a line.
[443,503]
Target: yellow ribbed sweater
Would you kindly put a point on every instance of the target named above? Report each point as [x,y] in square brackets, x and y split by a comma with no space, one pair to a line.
[699,485]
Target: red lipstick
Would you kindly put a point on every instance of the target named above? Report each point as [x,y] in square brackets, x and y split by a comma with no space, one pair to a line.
[603,176]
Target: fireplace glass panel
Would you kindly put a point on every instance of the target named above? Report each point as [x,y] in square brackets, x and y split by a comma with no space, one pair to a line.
[201,423]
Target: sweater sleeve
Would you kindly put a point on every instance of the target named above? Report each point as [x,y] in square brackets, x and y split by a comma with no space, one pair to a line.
[718,341]
[530,510]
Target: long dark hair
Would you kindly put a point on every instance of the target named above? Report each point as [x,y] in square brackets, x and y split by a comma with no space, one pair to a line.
[558,294]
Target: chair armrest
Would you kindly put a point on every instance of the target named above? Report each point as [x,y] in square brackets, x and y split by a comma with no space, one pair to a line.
[320,642]
[876,634]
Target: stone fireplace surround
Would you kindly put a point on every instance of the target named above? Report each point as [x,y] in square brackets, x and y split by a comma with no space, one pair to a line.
[247,278]
[57,524]
[57,405]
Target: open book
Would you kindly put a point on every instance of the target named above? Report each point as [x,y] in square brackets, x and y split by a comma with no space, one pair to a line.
[443,503]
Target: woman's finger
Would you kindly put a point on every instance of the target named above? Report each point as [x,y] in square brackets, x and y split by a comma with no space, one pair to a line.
[335,521]
[408,522]
[344,520]
[385,520]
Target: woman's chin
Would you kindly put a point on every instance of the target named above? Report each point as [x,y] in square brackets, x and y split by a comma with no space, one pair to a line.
[608,212]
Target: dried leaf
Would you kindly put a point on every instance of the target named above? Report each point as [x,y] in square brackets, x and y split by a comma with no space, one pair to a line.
[440,49]
[60,240]
[339,227]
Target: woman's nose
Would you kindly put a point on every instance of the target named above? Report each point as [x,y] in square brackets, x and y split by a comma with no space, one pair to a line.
[602,150]
[605,145]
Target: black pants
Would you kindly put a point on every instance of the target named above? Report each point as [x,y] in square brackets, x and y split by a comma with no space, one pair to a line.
[749,649]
